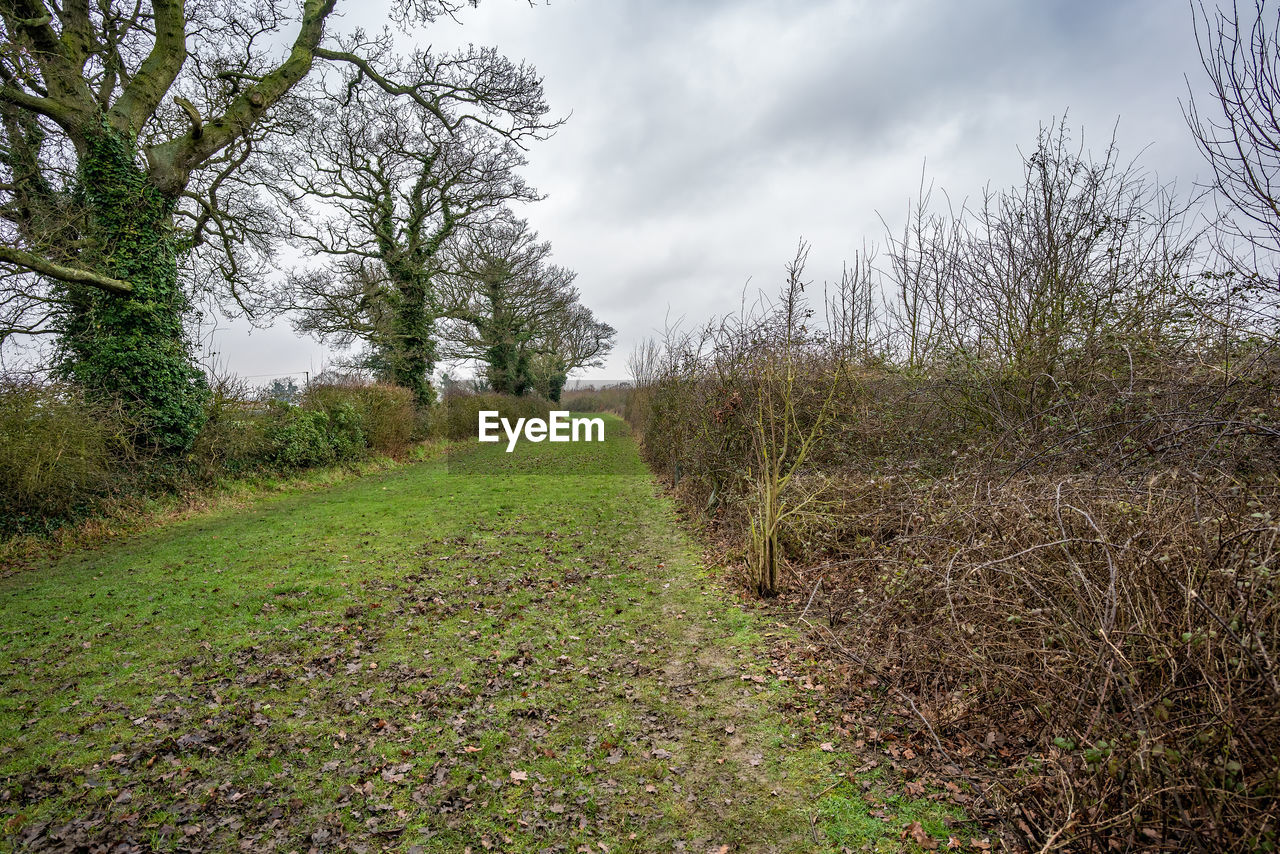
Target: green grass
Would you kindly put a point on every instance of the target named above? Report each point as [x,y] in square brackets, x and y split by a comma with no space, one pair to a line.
[496,651]
[872,820]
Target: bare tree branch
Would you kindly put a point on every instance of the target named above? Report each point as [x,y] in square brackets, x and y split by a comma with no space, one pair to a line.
[62,272]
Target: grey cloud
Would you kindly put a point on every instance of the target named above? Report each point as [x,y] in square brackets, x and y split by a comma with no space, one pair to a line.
[707,137]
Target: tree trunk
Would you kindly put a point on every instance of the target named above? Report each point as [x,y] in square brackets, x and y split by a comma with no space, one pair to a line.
[767,581]
[414,355]
[132,347]
[500,359]
[555,385]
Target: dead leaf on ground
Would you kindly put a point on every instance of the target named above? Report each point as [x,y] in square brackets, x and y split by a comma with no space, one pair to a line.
[921,836]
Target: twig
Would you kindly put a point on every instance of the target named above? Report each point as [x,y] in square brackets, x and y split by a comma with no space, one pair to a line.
[811,595]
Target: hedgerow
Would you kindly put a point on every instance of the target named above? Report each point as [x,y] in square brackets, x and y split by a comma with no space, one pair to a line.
[65,454]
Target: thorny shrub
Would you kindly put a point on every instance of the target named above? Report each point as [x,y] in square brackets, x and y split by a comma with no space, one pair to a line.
[1056,544]
[1094,589]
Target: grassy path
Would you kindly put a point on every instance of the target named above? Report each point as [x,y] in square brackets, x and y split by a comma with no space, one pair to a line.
[425,659]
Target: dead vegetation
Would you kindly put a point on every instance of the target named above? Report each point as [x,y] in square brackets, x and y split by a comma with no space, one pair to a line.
[1039,510]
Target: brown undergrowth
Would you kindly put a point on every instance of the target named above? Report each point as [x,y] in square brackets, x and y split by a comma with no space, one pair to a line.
[1096,656]
[1056,585]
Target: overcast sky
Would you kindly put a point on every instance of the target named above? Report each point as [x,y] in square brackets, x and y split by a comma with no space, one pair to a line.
[707,137]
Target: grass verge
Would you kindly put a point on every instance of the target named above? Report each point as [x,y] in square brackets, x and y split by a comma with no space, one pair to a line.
[425,658]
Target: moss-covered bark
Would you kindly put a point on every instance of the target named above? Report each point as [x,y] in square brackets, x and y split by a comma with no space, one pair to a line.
[412,355]
[98,73]
[135,346]
[505,356]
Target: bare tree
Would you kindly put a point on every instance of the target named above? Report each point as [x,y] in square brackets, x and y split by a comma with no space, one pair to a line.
[851,314]
[518,315]
[1041,285]
[1239,134]
[568,341]
[922,267]
[128,137]
[394,179]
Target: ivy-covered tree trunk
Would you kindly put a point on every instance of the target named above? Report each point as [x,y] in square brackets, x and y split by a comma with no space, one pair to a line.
[506,367]
[413,355]
[556,381]
[506,363]
[132,347]
[499,360]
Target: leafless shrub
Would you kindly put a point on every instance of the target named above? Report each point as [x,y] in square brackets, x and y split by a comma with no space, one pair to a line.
[1040,495]
[1117,638]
